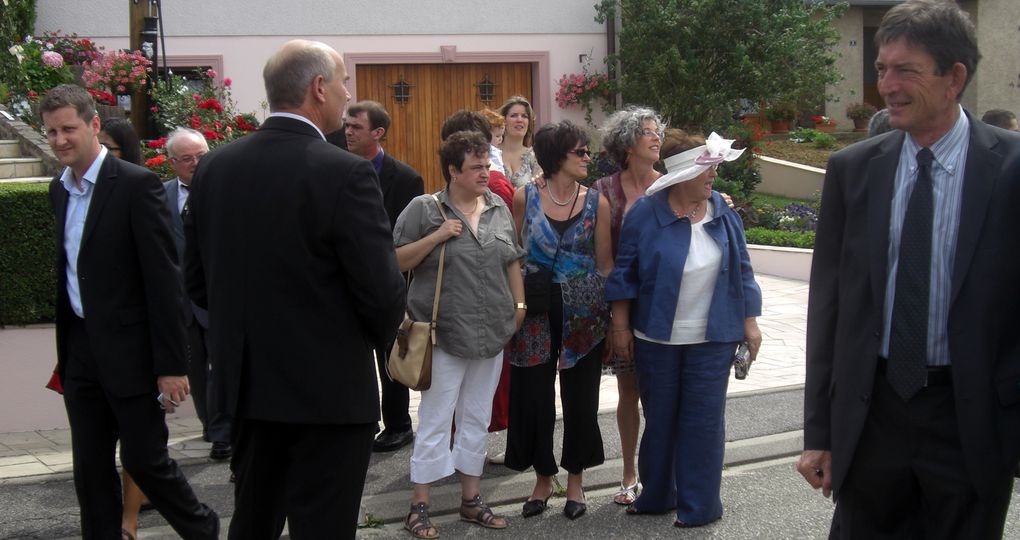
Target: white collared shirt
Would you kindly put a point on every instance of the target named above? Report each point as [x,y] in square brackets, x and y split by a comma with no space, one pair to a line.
[293,116]
[78,202]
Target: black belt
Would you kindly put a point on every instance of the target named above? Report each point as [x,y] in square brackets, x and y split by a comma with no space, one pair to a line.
[937,375]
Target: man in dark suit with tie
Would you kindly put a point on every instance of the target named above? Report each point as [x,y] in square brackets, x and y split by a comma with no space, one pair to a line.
[289,248]
[912,398]
[120,324]
[367,124]
[185,146]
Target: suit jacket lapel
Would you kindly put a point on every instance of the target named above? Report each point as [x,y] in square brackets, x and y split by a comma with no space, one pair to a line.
[106,181]
[881,176]
[978,185]
[60,197]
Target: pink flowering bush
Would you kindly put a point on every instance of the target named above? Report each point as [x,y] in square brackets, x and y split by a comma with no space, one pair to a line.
[39,67]
[118,72]
[581,89]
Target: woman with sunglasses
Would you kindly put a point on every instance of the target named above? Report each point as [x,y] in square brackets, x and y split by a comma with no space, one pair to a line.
[683,296]
[564,228]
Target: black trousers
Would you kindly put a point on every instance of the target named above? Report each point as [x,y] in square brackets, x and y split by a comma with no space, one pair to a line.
[217,419]
[198,370]
[395,397]
[908,478]
[98,419]
[310,476]
[533,409]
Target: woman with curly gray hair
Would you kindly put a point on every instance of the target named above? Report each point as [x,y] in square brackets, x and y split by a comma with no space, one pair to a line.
[631,137]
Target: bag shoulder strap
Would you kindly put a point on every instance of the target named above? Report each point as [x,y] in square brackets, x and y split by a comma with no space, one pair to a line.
[439,277]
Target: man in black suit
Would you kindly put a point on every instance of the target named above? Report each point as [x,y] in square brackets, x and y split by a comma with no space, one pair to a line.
[367,124]
[185,146]
[289,248]
[120,324]
[912,398]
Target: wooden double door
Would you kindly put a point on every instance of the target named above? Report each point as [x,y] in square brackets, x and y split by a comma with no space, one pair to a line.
[434,91]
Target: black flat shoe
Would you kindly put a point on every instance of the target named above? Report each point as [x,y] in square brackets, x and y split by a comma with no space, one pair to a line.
[574,509]
[221,451]
[534,507]
[390,441]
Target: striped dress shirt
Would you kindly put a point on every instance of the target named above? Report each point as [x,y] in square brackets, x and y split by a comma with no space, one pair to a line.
[947,183]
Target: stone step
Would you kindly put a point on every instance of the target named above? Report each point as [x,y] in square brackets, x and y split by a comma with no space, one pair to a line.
[27,180]
[9,149]
[20,167]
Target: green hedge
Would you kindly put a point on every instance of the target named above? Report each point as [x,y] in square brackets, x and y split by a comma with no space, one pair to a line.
[768,237]
[27,278]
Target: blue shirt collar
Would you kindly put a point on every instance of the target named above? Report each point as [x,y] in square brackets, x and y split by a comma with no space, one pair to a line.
[89,178]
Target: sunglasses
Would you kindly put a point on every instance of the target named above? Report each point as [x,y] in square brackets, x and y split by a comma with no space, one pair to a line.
[581,152]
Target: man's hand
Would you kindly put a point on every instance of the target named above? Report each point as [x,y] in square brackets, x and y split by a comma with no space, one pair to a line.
[174,389]
[816,467]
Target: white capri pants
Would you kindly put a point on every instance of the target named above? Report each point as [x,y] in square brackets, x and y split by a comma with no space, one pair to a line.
[464,386]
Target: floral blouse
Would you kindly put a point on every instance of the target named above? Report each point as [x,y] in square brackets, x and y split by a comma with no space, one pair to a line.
[585,311]
[529,168]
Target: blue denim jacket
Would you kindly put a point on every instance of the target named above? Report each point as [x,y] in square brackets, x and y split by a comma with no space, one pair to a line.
[650,264]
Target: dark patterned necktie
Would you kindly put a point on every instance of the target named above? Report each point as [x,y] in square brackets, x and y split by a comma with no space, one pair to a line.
[908,342]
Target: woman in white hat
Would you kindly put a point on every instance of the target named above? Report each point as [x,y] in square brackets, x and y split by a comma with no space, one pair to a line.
[683,297]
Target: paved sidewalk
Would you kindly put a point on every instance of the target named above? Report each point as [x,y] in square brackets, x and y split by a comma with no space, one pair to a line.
[27,455]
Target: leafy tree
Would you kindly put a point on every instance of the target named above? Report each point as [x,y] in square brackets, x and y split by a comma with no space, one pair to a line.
[695,60]
[17,18]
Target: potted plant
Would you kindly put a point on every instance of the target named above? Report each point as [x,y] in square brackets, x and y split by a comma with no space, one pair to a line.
[581,90]
[780,115]
[860,113]
[824,124]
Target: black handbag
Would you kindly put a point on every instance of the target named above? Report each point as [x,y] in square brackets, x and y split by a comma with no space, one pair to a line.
[538,284]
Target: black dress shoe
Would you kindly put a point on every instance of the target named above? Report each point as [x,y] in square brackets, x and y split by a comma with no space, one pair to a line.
[574,509]
[389,441]
[534,507]
[221,451]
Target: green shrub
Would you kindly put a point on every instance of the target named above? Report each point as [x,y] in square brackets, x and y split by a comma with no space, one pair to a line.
[27,256]
[767,237]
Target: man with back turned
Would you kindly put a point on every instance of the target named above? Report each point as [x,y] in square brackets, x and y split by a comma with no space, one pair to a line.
[289,248]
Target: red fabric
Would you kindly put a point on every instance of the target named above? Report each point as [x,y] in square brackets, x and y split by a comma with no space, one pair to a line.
[499,185]
[501,400]
[55,385]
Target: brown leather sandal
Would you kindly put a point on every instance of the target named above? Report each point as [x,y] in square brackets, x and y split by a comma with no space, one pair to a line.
[477,512]
[419,524]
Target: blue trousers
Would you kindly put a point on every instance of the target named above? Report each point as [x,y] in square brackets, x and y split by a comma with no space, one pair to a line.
[683,395]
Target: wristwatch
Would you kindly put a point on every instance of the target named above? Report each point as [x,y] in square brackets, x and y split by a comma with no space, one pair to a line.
[521,305]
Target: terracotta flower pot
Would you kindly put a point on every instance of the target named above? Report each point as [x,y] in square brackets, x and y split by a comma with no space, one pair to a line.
[780,126]
[825,128]
[861,124]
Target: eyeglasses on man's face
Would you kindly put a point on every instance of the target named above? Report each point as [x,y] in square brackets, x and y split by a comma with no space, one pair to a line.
[187,160]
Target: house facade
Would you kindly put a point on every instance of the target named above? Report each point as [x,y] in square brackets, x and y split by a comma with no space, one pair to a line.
[421,59]
[996,84]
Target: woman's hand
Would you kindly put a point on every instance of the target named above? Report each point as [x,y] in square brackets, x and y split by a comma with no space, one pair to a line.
[449,229]
[726,199]
[519,318]
[753,336]
[622,341]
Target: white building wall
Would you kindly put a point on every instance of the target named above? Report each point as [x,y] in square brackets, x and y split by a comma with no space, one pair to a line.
[247,32]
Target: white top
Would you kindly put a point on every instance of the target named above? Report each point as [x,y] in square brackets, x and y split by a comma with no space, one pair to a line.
[704,262]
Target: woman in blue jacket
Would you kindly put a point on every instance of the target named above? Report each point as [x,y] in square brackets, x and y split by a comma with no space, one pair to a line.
[683,297]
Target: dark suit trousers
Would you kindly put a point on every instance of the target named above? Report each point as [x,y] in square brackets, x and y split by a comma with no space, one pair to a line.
[97,420]
[395,397]
[310,476]
[198,370]
[908,478]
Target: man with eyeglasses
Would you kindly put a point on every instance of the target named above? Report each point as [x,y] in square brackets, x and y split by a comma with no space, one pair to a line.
[186,147]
